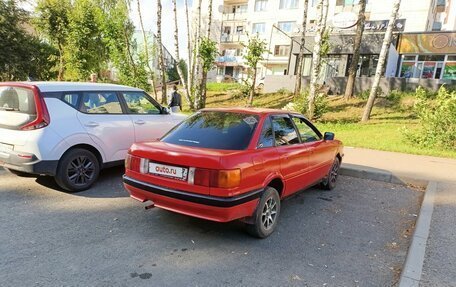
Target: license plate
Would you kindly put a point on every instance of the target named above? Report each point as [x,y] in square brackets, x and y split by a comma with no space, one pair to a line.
[168,171]
[5,147]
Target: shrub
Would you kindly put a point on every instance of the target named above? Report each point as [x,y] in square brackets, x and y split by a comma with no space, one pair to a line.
[437,119]
[300,105]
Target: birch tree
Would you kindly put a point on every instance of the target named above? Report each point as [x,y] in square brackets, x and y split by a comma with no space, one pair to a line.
[178,66]
[356,51]
[161,57]
[381,61]
[195,51]
[190,58]
[300,61]
[316,56]
[210,52]
[146,50]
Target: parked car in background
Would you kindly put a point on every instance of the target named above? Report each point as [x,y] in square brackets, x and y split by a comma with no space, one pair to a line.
[228,164]
[72,130]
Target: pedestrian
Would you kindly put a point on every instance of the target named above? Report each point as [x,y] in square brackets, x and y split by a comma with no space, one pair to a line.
[176,101]
[93,78]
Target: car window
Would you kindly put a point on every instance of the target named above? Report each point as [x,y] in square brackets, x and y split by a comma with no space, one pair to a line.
[139,103]
[266,137]
[100,103]
[284,131]
[215,130]
[17,106]
[71,99]
[306,132]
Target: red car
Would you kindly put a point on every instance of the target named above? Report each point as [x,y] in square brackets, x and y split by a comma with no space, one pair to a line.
[236,163]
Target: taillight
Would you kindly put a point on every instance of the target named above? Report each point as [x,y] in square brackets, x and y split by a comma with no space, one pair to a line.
[215,178]
[228,178]
[42,114]
[137,164]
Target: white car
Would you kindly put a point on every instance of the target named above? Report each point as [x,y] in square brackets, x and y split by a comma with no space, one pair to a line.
[72,130]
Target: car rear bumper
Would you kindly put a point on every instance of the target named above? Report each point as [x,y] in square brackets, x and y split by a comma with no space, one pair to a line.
[28,163]
[221,209]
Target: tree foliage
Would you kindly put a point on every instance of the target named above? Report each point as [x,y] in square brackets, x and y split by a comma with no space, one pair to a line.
[207,53]
[255,50]
[22,55]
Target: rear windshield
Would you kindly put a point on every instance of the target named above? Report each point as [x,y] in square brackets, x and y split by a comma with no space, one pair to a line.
[17,106]
[215,130]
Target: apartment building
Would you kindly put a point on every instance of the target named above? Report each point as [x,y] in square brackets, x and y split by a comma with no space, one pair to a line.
[278,22]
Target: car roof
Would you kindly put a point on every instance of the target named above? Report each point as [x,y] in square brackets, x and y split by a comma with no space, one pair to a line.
[256,111]
[78,86]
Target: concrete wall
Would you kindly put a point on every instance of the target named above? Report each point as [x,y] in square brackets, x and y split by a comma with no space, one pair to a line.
[274,83]
[337,84]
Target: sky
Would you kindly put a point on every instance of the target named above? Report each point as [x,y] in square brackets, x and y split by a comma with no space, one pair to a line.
[149,15]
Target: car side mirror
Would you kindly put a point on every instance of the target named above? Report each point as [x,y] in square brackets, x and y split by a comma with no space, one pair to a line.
[328,136]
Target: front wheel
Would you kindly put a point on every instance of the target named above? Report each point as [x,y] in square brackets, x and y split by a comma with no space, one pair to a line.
[266,214]
[78,169]
[330,180]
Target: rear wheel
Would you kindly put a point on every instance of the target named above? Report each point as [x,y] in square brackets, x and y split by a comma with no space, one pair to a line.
[330,181]
[266,214]
[77,171]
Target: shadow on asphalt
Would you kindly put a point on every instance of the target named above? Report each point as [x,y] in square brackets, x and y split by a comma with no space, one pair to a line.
[108,185]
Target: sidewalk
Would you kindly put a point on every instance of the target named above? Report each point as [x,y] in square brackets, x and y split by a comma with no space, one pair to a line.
[431,260]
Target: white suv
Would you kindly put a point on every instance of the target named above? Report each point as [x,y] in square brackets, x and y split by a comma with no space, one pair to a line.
[72,130]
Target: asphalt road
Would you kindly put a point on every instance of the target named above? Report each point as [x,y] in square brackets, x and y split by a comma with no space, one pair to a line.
[355,235]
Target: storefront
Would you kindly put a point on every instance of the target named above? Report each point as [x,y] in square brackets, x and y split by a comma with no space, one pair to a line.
[338,60]
[430,55]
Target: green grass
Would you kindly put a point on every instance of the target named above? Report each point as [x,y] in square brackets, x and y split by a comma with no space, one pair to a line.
[222,87]
[385,130]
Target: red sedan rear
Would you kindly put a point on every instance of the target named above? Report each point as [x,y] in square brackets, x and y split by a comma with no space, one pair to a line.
[228,164]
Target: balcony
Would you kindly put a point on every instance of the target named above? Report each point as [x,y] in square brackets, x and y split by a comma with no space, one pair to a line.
[233,38]
[229,60]
[234,16]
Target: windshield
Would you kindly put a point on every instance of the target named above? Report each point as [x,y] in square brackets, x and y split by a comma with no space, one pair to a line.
[215,130]
[17,106]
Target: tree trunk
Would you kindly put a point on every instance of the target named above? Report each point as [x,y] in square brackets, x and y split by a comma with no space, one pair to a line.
[146,50]
[300,59]
[204,74]
[190,56]
[381,61]
[316,56]
[196,61]
[354,64]
[179,69]
[252,90]
[61,63]
[161,57]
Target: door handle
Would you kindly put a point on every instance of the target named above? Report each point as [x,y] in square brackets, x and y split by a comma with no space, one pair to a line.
[140,122]
[92,124]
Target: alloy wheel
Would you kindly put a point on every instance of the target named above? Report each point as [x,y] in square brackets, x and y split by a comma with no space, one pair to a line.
[268,216]
[81,170]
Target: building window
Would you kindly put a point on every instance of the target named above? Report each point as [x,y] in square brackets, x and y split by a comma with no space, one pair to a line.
[282,50]
[240,29]
[260,5]
[287,27]
[288,4]
[348,2]
[259,28]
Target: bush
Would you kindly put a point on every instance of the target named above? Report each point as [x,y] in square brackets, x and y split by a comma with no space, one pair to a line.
[300,105]
[437,119]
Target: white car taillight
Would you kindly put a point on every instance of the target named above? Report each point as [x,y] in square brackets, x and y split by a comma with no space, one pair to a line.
[144,165]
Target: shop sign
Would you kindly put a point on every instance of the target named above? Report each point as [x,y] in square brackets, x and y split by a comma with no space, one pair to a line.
[345,20]
[428,43]
[381,25]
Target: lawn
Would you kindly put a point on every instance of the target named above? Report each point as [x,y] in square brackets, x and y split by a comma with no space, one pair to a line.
[385,131]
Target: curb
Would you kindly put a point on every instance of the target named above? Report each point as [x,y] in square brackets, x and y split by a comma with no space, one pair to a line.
[411,273]
[413,266]
[376,174]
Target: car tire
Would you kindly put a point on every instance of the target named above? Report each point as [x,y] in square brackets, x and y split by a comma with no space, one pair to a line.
[19,173]
[77,171]
[261,86]
[329,182]
[266,215]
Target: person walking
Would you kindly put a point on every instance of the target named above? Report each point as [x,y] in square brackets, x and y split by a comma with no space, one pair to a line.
[176,101]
